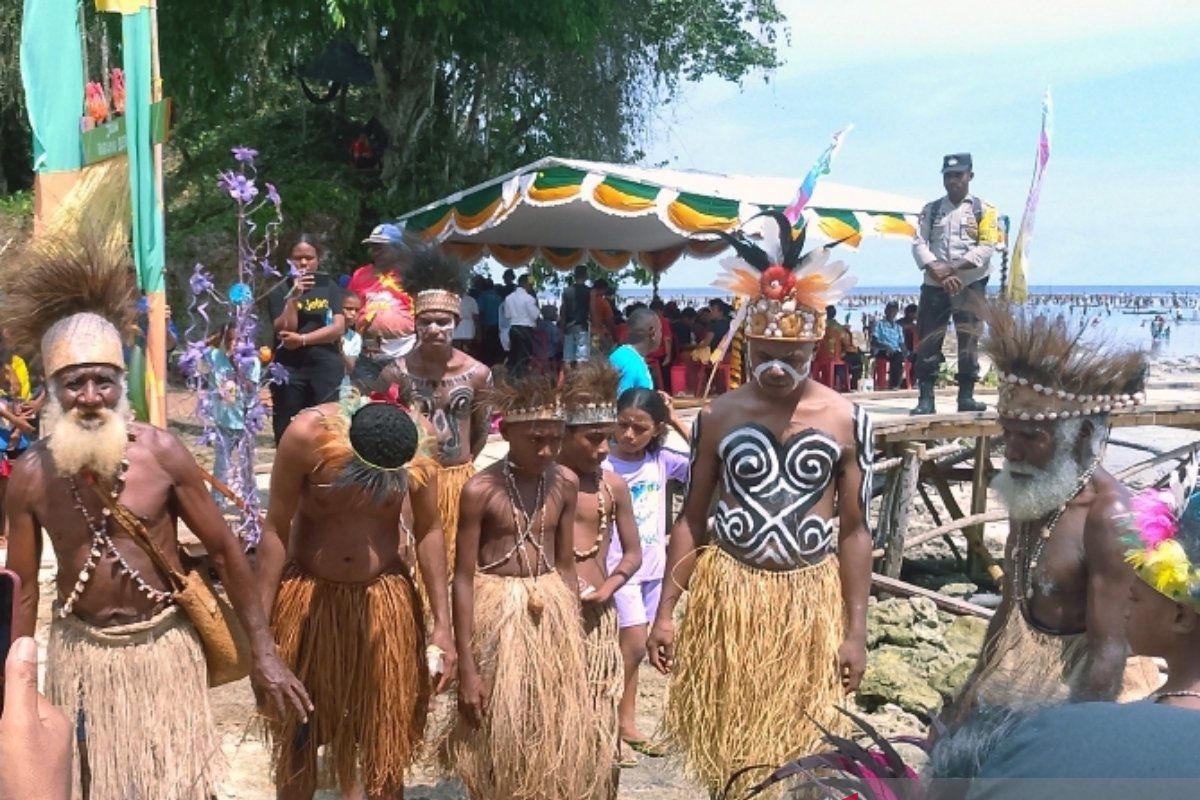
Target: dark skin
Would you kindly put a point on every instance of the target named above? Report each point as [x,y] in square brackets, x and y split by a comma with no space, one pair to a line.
[784,409]
[957,184]
[307,524]
[307,260]
[433,361]
[1082,581]
[583,452]
[1163,628]
[163,485]
[487,530]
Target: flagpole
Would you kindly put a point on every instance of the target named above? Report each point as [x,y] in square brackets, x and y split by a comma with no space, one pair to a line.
[156,334]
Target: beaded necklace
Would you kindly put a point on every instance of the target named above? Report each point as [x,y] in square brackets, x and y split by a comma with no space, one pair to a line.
[1028,562]
[525,532]
[1175,693]
[601,518]
[102,543]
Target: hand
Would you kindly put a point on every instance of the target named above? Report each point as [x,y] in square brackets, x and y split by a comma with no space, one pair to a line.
[660,646]
[303,282]
[940,270]
[35,736]
[596,596]
[668,400]
[952,284]
[281,688]
[22,424]
[472,699]
[441,638]
[852,662]
[290,340]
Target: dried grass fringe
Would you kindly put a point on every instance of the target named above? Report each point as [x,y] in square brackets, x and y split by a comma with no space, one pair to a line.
[535,742]
[359,649]
[755,658]
[451,481]
[143,691]
[1030,668]
[605,670]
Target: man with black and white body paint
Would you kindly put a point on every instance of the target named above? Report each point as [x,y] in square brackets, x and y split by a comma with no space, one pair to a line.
[1059,632]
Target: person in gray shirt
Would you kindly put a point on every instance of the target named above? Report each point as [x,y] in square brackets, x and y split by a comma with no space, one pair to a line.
[953,246]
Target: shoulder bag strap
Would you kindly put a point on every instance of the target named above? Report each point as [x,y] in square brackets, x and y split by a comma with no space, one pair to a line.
[140,536]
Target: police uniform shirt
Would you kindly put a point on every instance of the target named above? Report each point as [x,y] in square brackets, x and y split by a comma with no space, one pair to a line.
[952,234]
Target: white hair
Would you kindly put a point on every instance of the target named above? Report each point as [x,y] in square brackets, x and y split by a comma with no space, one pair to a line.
[75,447]
[1043,490]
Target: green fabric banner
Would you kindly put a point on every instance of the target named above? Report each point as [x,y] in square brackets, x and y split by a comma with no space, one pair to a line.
[148,243]
[52,74]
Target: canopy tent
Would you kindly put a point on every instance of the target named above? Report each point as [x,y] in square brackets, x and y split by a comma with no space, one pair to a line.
[569,211]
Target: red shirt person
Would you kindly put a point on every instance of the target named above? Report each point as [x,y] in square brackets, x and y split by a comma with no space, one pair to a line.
[386,321]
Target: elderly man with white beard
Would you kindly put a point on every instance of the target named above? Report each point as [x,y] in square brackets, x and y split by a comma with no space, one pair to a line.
[123,660]
[1059,633]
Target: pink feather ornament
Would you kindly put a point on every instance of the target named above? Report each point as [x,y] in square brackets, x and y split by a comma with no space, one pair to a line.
[1154,515]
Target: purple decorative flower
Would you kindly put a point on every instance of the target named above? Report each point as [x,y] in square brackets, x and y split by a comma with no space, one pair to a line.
[244,154]
[273,195]
[276,373]
[293,271]
[240,187]
[268,268]
[201,282]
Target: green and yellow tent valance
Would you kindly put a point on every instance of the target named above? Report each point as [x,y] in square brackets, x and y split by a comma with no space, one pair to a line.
[568,212]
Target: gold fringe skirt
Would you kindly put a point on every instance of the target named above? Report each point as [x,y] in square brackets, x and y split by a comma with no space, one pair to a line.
[140,694]
[755,658]
[536,741]
[359,649]
[605,670]
[451,481]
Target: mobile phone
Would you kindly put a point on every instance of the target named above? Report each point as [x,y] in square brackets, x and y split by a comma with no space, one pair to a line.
[10,593]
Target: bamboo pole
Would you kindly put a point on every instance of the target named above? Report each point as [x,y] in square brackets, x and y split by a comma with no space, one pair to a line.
[902,489]
[156,333]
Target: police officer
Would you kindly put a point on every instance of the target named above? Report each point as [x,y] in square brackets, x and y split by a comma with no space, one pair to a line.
[953,246]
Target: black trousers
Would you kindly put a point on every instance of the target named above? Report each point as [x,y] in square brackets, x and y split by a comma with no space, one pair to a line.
[936,310]
[895,361]
[520,348]
[305,388]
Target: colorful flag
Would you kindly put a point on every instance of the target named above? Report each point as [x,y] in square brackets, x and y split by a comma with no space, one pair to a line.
[1018,284]
[809,185]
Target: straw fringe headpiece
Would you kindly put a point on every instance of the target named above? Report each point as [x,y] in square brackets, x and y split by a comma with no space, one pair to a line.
[528,398]
[71,299]
[590,394]
[1049,373]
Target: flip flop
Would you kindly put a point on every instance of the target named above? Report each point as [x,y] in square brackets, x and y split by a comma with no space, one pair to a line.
[627,761]
[645,747]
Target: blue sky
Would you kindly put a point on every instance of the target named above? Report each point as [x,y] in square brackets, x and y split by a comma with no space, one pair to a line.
[921,79]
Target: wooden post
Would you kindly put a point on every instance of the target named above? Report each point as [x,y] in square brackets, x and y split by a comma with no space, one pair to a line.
[978,499]
[976,545]
[898,499]
[156,334]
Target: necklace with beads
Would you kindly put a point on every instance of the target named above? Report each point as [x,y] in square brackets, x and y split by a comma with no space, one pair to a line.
[102,543]
[601,518]
[1028,563]
[1174,693]
[525,529]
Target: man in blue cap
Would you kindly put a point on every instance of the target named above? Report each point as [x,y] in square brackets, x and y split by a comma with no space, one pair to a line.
[386,321]
[953,246]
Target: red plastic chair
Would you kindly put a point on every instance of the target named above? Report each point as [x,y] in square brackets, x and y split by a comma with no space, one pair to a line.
[834,373]
[721,381]
[681,379]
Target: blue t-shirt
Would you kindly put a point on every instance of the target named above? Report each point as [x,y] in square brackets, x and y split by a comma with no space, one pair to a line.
[632,369]
[489,308]
[227,410]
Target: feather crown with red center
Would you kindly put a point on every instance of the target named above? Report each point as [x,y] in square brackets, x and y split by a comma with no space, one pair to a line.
[784,293]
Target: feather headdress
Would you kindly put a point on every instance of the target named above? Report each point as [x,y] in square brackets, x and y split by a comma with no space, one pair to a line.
[784,292]
[72,300]
[1164,549]
[1049,373]
[381,484]
[435,280]
[590,394]
[527,398]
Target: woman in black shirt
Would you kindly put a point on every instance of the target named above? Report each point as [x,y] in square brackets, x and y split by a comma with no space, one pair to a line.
[307,316]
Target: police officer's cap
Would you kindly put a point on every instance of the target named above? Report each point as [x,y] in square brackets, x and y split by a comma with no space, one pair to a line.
[956,162]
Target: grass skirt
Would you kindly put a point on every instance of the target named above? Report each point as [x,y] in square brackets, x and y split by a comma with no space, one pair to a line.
[359,649]
[536,741]
[140,692]
[605,670]
[451,481]
[1027,667]
[755,657]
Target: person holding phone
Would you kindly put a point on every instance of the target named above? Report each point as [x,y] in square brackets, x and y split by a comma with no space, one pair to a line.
[307,315]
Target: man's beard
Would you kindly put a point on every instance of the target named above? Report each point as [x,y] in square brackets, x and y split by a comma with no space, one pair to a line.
[94,442]
[1041,491]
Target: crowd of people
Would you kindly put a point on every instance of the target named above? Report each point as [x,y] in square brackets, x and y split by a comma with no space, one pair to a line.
[390,570]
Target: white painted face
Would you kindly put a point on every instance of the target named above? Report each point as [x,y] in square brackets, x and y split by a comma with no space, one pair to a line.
[793,374]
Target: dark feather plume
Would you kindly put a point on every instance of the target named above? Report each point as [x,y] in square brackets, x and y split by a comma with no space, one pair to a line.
[751,253]
[592,382]
[531,390]
[55,278]
[431,268]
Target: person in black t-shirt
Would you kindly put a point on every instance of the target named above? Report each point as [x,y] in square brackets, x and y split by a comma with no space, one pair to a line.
[307,316]
[575,317]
